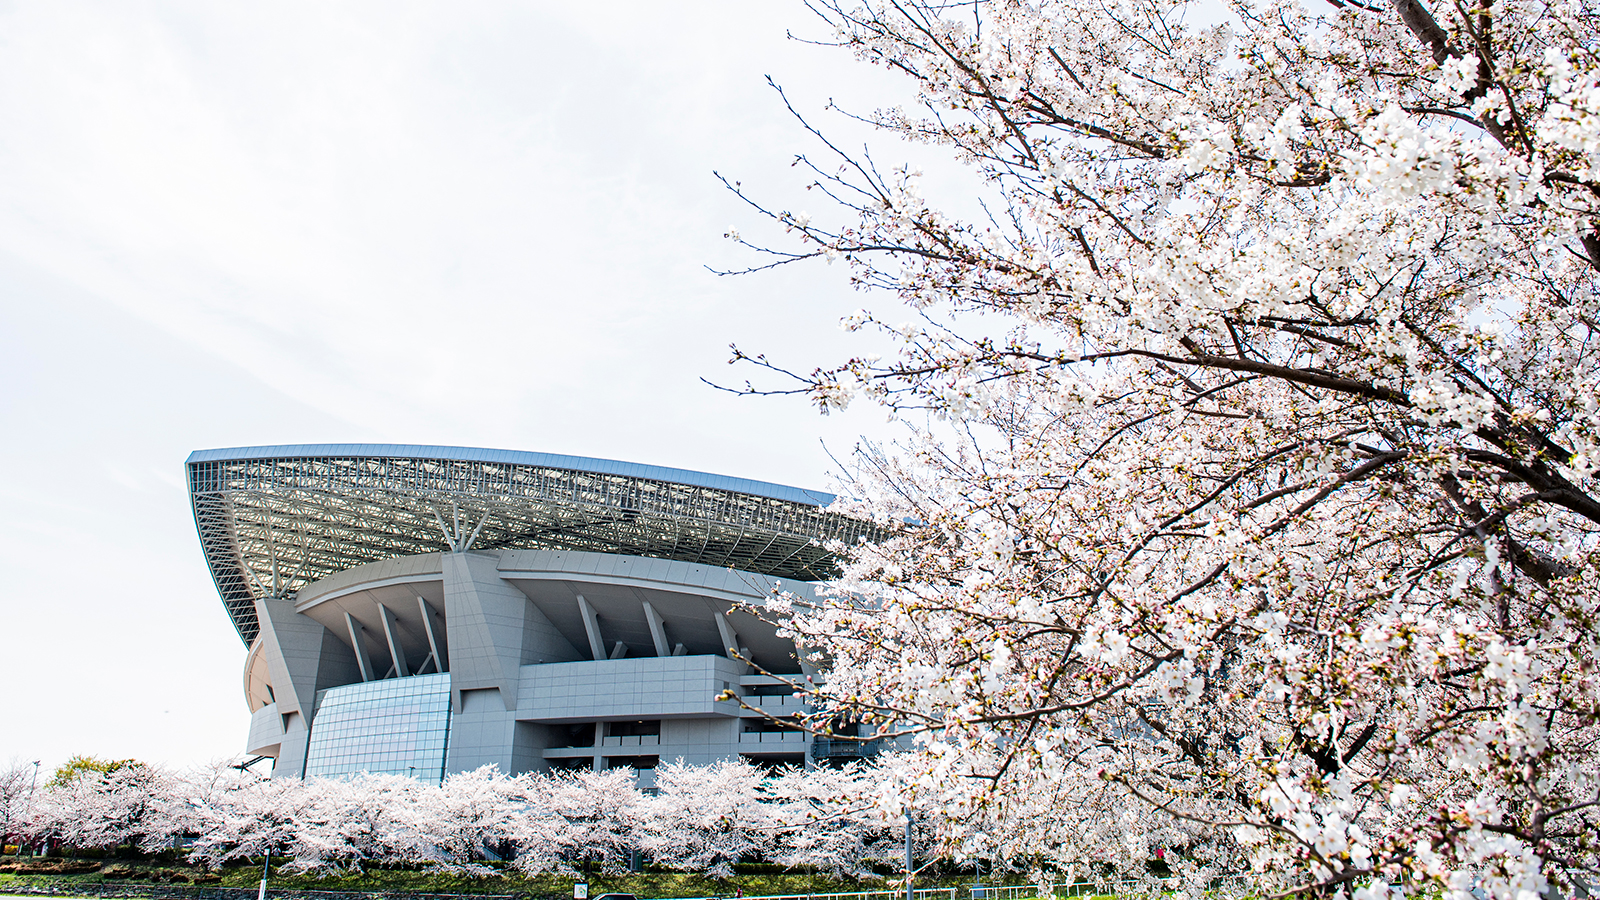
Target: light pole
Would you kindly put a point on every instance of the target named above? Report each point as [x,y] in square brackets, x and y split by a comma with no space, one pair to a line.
[909,870]
[32,786]
[266,866]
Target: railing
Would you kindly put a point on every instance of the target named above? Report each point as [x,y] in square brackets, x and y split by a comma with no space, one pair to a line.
[773,737]
[1005,892]
[632,740]
[829,748]
[918,894]
[776,703]
[1064,889]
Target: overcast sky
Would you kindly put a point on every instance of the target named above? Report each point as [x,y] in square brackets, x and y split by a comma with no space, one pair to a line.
[480,224]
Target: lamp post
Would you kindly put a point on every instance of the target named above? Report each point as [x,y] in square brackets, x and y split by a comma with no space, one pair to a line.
[32,786]
[909,870]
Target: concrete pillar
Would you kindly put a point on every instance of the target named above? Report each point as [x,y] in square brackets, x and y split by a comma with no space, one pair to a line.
[493,630]
[484,733]
[358,643]
[730,640]
[302,658]
[591,627]
[397,653]
[432,626]
[291,759]
[658,629]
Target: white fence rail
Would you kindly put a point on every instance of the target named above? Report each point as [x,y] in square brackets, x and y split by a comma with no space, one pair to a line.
[1063,889]
[918,894]
[1029,891]
[780,737]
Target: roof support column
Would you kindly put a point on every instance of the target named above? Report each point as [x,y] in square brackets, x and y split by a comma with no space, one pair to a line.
[591,627]
[363,661]
[397,653]
[730,640]
[658,629]
[440,664]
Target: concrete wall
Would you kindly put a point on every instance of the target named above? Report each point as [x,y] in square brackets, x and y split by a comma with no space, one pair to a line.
[266,731]
[519,630]
[649,688]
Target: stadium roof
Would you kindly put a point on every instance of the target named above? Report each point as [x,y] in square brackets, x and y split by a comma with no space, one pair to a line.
[274,519]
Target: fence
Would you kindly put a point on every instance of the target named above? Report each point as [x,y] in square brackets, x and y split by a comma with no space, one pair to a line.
[1009,892]
[918,894]
[1061,889]
[1239,884]
[1029,891]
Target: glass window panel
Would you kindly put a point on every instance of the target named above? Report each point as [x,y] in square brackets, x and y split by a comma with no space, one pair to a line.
[399,726]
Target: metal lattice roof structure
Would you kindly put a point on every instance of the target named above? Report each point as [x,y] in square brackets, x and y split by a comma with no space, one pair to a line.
[275,519]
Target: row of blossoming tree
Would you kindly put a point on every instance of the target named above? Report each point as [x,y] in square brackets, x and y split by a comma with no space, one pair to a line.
[699,818]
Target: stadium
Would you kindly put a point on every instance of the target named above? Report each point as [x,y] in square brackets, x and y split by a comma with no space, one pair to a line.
[428,610]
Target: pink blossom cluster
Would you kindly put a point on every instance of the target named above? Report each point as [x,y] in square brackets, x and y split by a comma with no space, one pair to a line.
[698,818]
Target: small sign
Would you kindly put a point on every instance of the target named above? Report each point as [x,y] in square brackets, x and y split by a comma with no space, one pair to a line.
[580,890]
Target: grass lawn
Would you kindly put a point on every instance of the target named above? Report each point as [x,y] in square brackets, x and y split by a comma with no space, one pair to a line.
[661,884]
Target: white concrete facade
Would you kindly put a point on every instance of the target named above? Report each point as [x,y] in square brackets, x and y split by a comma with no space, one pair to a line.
[555,658]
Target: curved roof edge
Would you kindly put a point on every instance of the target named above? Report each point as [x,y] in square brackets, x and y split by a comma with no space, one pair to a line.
[519,458]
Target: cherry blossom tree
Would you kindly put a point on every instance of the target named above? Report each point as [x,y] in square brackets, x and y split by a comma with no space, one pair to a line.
[1250,511]
[177,811]
[346,823]
[705,818]
[827,820]
[464,816]
[16,788]
[103,808]
[249,818]
[584,816]
[540,836]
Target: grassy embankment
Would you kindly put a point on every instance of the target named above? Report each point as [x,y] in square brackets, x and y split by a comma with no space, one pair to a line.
[648,884]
